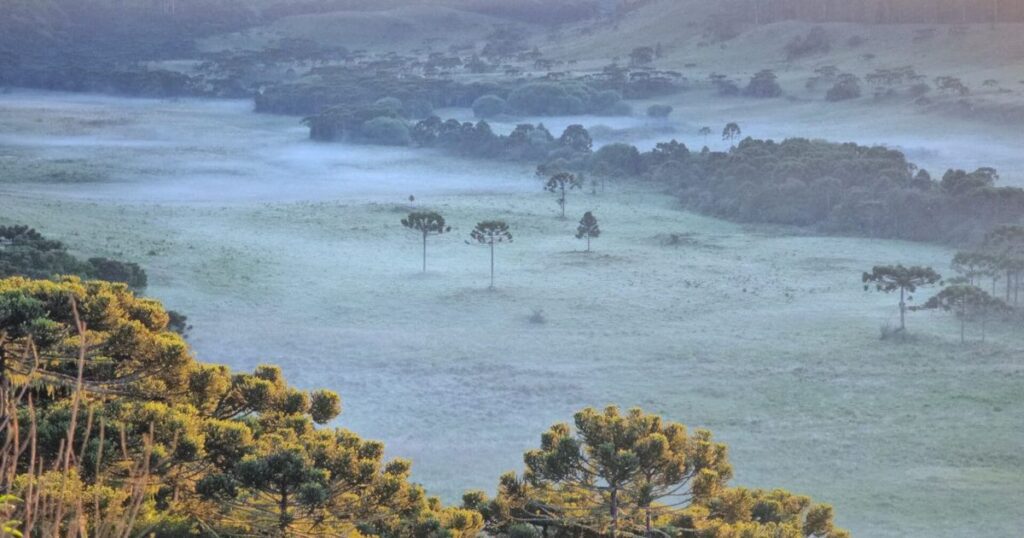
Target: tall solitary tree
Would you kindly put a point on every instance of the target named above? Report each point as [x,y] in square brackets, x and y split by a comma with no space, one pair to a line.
[890,278]
[705,132]
[731,132]
[560,184]
[588,228]
[490,233]
[426,223]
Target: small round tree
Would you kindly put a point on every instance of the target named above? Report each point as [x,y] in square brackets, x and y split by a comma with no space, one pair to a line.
[490,233]
[731,132]
[889,278]
[560,184]
[705,132]
[588,228]
[426,223]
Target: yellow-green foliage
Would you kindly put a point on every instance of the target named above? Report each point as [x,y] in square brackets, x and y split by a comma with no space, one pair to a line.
[636,474]
[179,447]
[218,447]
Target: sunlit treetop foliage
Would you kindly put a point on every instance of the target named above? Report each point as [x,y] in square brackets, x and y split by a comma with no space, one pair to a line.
[220,445]
[633,474]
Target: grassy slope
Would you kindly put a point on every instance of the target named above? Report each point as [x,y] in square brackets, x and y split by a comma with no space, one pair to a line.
[983,53]
[399,29]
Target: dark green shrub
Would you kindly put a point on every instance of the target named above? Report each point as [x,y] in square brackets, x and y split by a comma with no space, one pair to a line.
[386,131]
[617,159]
[659,111]
[763,84]
[815,42]
[847,87]
[488,106]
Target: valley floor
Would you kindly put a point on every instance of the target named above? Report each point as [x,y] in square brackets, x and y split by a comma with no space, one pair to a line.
[280,250]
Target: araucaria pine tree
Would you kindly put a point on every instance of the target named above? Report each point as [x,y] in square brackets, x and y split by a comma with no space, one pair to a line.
[588,228]
[889,278]
[560,184]
[490,233]
[426,223]
[967,302]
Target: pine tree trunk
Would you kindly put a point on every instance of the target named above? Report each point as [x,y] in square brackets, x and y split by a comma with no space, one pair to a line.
[963,323]
[282,521]
[903,310]
[615,513]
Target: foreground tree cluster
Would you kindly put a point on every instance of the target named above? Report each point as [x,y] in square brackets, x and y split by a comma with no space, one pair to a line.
[112,428]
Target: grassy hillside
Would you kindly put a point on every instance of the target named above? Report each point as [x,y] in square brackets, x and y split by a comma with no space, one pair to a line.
[392,30]
[989,59]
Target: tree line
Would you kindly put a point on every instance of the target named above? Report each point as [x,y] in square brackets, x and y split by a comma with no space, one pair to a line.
[873,11]
[839,188]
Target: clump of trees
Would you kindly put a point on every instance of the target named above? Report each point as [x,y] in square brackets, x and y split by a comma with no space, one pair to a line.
[834,188]
[130,435]
[426,224]
[525,143]
[564,99]
[636,474]
[26,252]
[968,302]
[846,87]
[763,84]
[1002,251]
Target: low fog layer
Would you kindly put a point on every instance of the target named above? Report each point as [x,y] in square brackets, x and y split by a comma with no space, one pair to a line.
[287,251]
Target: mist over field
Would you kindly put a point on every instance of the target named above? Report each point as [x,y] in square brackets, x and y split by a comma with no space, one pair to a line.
[261,189]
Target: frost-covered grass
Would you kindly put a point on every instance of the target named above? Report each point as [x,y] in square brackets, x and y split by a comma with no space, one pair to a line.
[284,251]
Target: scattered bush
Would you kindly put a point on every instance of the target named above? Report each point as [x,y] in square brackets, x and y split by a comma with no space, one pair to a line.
[919,90]
[847,87]
[538,317]
[815,42]
[488,106]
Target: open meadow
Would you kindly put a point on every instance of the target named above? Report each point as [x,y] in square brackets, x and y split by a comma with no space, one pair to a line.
[287,251]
